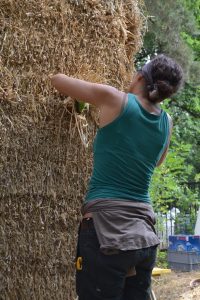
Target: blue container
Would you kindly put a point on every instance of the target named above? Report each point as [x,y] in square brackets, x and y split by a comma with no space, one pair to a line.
[183,261]
[194,240]
[183,257]
[185,243]
[179,243]
[184,267]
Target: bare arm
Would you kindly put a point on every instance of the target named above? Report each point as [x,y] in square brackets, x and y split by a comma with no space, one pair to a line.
[93,93]
[161,160]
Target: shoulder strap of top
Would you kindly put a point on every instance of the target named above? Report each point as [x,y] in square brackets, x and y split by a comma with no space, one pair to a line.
[124,101]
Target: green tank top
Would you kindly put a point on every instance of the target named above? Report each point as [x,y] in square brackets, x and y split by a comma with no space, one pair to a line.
[126,152]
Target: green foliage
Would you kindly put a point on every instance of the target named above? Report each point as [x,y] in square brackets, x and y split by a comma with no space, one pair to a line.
[174,29]
[162,260]
[80,106]
[193,6]
[185,223]
[168,188]
[193,42]
[185,109]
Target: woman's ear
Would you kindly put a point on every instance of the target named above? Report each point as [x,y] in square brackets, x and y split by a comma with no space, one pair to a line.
[139,76]
[137,80]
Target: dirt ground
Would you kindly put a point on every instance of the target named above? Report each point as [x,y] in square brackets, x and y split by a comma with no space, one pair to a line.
[176,286]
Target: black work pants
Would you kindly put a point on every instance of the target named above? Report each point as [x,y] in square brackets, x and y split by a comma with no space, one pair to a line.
[104,277]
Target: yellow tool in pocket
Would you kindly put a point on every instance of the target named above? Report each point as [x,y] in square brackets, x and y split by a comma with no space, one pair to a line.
[79,263]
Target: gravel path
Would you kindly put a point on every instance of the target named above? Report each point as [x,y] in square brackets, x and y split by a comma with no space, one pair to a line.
[176,286]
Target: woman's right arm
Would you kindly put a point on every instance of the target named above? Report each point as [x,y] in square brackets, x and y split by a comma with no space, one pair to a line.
[161,160]
[93,93]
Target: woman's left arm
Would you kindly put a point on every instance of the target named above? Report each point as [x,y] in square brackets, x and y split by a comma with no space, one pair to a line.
[161,160]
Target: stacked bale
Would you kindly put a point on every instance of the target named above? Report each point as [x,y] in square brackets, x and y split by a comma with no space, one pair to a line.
[45,145]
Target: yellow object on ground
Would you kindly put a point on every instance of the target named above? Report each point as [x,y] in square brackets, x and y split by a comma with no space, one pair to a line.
[159,271]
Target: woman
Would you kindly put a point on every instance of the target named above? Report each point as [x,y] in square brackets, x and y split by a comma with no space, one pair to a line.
[117,240]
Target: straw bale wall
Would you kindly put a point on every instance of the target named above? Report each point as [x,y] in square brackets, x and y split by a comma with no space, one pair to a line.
[45,145]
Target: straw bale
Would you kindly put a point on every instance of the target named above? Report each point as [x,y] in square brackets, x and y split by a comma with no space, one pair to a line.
[45,145]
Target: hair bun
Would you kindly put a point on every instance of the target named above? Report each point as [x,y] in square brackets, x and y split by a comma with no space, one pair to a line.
[154,96]
[163,78]
[162,89]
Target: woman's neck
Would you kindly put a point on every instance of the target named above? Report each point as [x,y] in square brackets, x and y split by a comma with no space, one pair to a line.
[139,89]
[151,107]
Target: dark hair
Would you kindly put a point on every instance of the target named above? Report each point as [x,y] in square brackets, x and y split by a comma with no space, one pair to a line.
[163,78]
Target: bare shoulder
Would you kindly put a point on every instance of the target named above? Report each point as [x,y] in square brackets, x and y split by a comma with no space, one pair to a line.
[109,113]
[113,95]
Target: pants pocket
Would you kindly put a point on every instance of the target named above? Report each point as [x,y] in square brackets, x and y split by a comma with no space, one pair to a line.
[111,274]
[87,251]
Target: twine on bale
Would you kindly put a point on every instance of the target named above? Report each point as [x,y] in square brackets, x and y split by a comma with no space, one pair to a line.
[44,162]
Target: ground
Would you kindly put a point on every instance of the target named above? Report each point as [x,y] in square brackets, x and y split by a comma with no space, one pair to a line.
[176,286]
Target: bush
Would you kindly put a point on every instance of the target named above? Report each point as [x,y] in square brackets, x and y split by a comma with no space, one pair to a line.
[161,261]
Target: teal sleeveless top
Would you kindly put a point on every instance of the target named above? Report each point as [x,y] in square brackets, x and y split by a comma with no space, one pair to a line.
[126,152]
